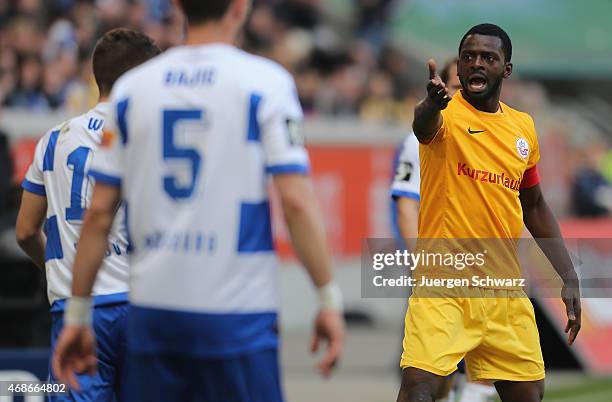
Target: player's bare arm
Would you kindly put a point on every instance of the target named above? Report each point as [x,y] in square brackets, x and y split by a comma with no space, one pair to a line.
[543,226]
[308,238]
[30,219]
[427,116]
[75,350]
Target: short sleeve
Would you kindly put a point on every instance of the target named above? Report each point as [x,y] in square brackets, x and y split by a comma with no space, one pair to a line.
[407,178]
[442,132]
[281,118]
[34,180]
[107,164]
[531,177]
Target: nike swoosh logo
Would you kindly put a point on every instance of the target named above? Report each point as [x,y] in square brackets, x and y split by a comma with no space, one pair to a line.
[475,131]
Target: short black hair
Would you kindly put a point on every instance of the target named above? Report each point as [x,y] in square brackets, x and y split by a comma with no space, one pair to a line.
[201,11]
[445,73]
[491,30]
[118,51]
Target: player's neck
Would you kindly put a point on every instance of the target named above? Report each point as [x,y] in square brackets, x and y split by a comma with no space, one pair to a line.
[211,32]
[489,105]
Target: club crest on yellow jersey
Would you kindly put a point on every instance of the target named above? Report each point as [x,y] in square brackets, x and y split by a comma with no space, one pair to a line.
[522,147]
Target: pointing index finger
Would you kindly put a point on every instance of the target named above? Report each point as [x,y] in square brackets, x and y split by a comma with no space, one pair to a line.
[431,63]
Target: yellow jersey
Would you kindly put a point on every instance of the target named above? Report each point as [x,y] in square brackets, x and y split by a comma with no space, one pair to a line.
[472,170]
[471,174]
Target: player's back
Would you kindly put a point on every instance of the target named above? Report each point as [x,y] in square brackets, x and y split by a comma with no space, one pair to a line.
[59,171]
[199,130]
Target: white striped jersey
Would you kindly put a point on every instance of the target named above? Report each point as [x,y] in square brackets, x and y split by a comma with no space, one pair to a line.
[59,172]
[196,133]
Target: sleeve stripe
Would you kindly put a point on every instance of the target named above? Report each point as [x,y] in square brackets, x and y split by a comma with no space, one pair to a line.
[105,178]
[405,194]
[33,187]
[122,107]
[49,156]
[531,177]
[289,168]
[254,132]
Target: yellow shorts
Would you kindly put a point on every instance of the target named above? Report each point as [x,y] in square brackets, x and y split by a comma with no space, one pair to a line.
[497,335]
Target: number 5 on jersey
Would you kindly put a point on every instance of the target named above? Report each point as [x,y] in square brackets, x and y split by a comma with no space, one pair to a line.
[171,151]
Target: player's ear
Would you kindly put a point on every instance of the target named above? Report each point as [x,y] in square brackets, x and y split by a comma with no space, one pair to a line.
[507,70]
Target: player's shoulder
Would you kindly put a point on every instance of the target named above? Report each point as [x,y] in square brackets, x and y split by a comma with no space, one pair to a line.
[270,67]
[523,119]
[456,107]
[57,130]
[262,72]
[89,122]
[50,138]
[515,113]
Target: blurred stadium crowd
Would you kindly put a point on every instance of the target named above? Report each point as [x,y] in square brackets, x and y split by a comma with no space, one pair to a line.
[344,69]
[345,66]
[45,47]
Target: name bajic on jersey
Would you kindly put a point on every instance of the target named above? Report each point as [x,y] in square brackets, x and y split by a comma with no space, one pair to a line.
[488,177]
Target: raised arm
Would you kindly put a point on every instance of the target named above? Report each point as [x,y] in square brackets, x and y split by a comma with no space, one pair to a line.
[427,116]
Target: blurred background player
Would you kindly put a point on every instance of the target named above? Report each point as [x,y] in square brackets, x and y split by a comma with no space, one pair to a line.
[190,151]
[405,193]
[475,129]
[57,192]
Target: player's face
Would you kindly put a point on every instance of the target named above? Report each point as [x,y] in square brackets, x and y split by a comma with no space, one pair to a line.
[482,66]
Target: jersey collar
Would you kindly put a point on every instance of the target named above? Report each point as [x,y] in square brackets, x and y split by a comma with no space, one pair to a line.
[102,109]
[497,115]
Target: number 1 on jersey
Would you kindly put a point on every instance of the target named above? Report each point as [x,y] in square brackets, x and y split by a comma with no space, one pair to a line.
[77,159]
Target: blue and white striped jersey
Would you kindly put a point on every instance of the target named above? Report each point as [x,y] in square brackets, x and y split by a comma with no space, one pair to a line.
[59,172]
[196,133]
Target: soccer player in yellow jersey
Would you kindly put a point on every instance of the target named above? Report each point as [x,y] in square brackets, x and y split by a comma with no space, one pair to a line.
[479,180]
